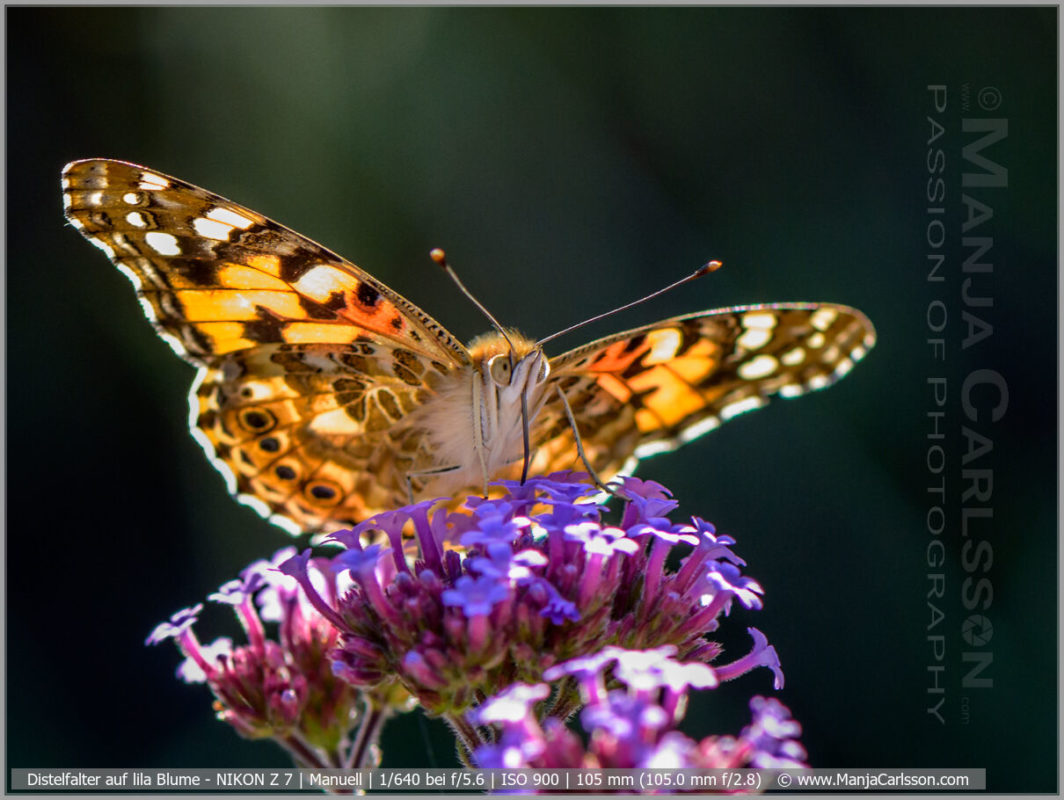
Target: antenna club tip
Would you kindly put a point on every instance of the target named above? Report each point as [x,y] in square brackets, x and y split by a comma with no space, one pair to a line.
[437,255]
[708,267]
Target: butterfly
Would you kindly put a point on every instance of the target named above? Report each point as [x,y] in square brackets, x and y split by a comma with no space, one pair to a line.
[324,397]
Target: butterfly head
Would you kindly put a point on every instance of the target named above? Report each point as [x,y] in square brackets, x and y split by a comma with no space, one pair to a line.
[509,365]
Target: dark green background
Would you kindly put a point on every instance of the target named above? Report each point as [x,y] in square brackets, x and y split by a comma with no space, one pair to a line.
[569,160]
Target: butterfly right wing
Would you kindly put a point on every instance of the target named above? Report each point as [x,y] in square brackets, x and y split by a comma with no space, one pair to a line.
[653,389]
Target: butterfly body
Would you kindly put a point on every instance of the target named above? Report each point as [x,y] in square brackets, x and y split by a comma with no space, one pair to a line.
[324,397]
[474,427]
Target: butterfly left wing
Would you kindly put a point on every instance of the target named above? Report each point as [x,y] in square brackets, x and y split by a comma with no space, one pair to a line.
[315,436]
[308,366]
[215,277]
[652,389]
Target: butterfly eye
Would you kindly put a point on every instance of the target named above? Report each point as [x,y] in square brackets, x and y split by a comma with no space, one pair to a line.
[500,370]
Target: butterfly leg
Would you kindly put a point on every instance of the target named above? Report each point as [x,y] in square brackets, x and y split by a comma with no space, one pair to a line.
[525,436]
[580,445]
[421,473]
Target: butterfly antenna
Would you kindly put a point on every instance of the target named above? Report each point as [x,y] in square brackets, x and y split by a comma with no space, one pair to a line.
[705,269]
[437,255]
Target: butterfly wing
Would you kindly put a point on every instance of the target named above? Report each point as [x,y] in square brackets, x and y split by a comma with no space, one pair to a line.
[215,277]
[652,389]
[307,364]
[315,436]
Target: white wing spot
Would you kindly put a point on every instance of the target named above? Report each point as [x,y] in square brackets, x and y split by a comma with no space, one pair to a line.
[148,309]
[212,229]
[663,345]
[255,391]
[754,338]
[791,390]
[67,201]
[284,523]
[77,223]
[219,222]
[818,382]
[122,243]
[229,217]
[741,406]
[816,341]
[758,367]
[150,273]
[317,283]
[136,219]
[165,244]
[94,199]
[700,428]
[131,198]
[654,448]
[858,353]
[135,280]
[175,343]
[843,367]
[149,180]
[107,249]
[830,354]
[319,361]
[822,318]
[335,423]
[759,319]
[794,357]
[251,501]
[168,305]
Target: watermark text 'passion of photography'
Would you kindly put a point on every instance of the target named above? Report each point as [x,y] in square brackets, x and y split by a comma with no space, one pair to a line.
[965,394]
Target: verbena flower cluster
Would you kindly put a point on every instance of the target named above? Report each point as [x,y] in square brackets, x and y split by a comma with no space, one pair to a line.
[447,609]
[633,726]
[284,688]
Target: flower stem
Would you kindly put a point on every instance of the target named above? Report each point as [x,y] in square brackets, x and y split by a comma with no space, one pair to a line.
[369,731]
[469,738]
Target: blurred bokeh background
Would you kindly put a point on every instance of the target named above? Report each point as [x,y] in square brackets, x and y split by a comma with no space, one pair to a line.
[569,160]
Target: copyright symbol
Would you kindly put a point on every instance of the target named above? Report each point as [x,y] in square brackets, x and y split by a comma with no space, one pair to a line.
[989,98]
[784,780]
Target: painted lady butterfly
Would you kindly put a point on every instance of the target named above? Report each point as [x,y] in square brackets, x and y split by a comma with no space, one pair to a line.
[324,397]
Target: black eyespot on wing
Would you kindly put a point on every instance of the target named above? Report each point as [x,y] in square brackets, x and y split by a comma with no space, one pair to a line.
[269,444]
[367,295]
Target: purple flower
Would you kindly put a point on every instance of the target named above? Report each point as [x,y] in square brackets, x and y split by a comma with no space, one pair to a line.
[647,673]
[648,502]
[281,688]
[540,578]
[476,596]
[633,726]
[723,578]
[557,609]
[448,607]
[510,706]
[179,623]
[773,736]
[491,528]
[762,655]
[215,654]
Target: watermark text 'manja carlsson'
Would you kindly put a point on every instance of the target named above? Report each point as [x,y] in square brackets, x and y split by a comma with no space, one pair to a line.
[961,389]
